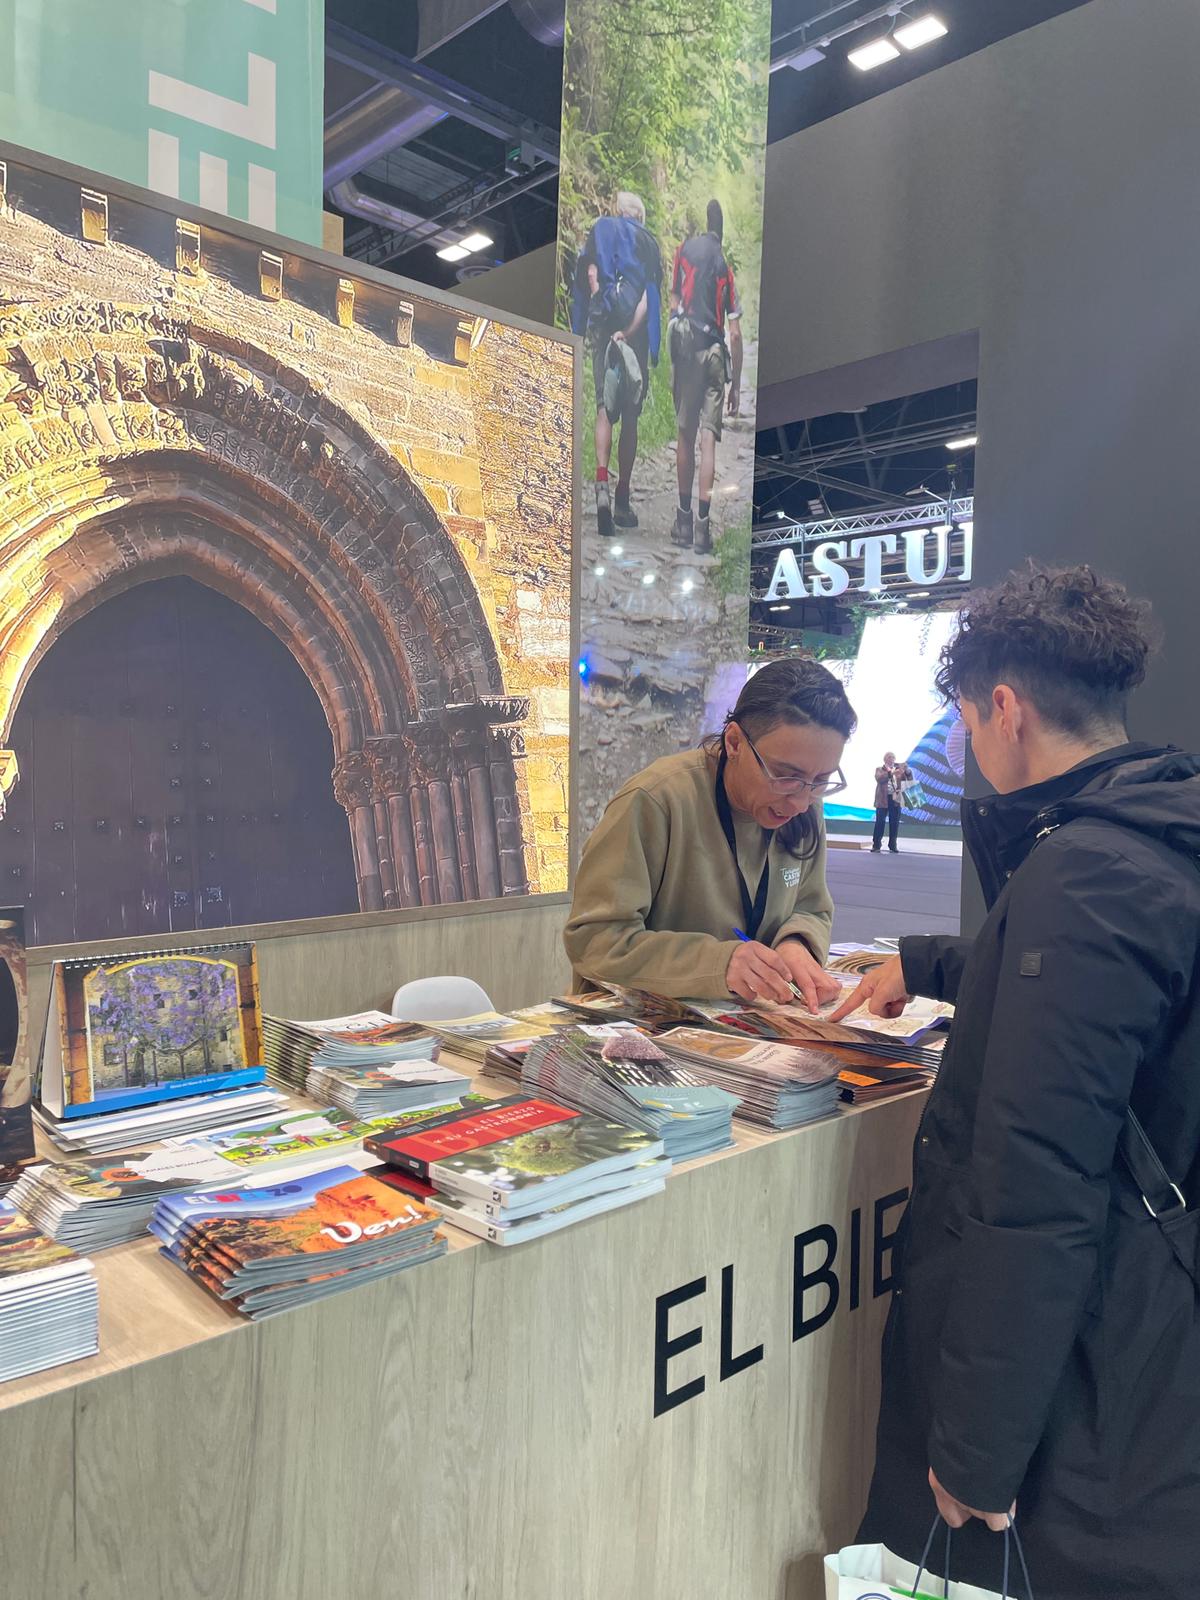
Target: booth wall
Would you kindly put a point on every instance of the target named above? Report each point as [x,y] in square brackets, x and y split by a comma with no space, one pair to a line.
[1033,192]
[523,287]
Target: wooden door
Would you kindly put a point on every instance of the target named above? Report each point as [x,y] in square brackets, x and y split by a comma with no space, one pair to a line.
[175,774]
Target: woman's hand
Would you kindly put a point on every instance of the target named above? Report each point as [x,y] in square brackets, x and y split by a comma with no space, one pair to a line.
[883,987]
[756,972]
[814,983]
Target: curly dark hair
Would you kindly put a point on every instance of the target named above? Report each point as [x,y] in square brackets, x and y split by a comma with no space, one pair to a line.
[802,692]
[1073,643]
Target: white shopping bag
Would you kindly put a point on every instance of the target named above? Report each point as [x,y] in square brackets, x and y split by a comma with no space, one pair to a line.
[872,1572]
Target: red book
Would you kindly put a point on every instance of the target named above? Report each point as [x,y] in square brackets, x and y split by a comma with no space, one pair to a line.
[414,1149]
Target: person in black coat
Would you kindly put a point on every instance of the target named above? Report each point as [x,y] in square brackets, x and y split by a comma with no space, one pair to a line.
[1043,1343]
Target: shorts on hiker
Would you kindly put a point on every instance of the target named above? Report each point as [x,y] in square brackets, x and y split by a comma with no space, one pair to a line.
[639,343]
[700,391]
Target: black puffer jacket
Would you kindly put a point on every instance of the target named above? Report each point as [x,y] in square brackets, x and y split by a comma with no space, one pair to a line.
[1043,1343]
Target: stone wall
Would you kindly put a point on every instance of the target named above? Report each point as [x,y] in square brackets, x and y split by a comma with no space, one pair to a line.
[475,418]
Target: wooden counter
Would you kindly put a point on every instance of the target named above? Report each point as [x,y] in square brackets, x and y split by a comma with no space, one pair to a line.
[672,1402]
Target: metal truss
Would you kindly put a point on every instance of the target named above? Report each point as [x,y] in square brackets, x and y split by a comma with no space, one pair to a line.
[928,513]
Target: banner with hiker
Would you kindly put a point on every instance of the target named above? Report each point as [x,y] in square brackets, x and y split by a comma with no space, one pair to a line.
[659,235]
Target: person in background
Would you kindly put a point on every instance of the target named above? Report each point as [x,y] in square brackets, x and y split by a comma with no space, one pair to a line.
[704,307]
[726,837]
[891,780]
[617,304]
[1043,1343]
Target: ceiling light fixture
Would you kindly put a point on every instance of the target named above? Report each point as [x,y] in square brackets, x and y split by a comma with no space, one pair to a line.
[921,30]
[478,241]
[869,56]
[648,578]
[453,252]
[967,443]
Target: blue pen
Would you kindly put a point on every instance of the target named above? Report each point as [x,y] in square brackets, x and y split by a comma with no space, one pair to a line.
[746,939]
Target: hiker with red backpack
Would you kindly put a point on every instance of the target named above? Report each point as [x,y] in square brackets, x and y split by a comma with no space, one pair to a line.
[704,306]
[617,304]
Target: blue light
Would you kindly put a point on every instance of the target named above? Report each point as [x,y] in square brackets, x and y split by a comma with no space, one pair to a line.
[583,668]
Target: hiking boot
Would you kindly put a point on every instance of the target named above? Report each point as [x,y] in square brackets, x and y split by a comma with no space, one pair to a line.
[623,513]
[604,516]
[681,533]
[702,542]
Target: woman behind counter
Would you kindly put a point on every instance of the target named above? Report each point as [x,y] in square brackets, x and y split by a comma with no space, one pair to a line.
[727,837]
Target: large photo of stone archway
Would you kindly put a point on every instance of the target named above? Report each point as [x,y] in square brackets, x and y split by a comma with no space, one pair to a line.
[285,579]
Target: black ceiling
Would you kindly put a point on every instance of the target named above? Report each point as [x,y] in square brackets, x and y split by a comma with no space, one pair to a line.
[499,58]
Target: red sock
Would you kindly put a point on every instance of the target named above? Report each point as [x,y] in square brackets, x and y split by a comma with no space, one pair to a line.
[601,474]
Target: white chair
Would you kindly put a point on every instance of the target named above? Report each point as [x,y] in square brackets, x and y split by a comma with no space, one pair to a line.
[439,1000]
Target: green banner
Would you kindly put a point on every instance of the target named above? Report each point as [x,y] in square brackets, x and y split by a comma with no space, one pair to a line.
[660,235]
[218,102]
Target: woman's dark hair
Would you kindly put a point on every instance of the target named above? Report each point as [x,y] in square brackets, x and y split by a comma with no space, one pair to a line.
[1073,643]
[800,692]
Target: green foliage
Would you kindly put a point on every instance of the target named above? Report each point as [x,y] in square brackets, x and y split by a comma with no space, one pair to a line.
[667,98]
[732,550]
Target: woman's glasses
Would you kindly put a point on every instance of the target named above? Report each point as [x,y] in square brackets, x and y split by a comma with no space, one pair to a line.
[817,787]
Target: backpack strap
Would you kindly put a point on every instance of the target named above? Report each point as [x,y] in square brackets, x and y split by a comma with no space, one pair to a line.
[1161,1196]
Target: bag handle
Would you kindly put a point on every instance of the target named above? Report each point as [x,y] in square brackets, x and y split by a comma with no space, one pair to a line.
[1010,1535]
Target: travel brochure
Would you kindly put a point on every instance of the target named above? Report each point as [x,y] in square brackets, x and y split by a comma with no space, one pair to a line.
[262,1251]
[49,1310]
[142,1028]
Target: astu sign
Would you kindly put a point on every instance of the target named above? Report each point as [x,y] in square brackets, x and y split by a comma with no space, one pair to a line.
[821,572]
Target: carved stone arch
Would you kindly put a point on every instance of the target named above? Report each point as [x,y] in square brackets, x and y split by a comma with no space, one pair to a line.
[133,445]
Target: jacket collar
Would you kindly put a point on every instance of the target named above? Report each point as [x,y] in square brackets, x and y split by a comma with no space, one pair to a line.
[1000,830]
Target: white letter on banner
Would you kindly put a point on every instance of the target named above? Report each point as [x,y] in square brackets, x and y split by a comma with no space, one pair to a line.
[261,210]
[829,578]
[872,551]
[254,121]
[786,582]
[162,164]
[914,555]
[968,533]
[214,183]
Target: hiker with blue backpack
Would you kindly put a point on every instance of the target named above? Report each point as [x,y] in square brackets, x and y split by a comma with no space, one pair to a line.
[617,305]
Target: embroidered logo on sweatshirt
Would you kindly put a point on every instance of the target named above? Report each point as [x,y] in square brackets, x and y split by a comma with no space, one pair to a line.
[791,876]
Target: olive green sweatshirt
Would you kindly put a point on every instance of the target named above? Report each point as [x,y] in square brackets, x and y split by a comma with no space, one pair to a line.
[656,896]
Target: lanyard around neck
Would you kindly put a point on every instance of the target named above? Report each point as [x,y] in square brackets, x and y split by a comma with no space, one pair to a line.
[752,911]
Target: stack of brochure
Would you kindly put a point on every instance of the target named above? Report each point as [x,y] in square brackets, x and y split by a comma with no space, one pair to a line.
[473,1037]
[618,1071]
[779,1086]
[268,1249]
[393,1086]
[90,1206]
[49,1311]
[366,1039]
[520,1167]
[99,1135]
[301,1139]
